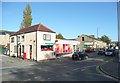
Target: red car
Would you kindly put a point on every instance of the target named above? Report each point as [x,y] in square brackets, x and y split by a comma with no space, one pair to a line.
[89,50]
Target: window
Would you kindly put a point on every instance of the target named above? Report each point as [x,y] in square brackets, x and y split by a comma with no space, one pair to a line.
[18,38]
[22,38]
[46,37]
[15,49]
[82,38]
[46,48]
[12,39]
[22,48]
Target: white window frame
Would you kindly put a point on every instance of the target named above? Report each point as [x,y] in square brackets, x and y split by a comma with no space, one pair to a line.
[47,37]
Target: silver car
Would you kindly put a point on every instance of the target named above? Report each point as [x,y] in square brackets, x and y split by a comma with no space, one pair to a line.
[110,52]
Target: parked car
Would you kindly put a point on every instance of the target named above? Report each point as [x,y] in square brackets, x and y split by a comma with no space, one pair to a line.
[110,52]
[6,52]
[89,50]
[79,56]
[101,52]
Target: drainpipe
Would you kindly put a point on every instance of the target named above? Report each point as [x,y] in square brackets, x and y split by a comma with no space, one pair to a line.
[36,46]
[17,44]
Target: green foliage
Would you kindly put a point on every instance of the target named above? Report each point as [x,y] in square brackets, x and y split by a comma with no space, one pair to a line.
[59,36]
[27,18]
[105,39]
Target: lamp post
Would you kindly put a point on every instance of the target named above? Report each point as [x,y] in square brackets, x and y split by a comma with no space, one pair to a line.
[118,16]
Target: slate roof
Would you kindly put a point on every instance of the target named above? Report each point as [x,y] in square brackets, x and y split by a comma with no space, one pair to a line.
[38,27]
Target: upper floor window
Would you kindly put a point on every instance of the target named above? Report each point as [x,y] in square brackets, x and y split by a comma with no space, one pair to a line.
[12,39]
[83,39]
[18,38]
[46,37]
[22,38]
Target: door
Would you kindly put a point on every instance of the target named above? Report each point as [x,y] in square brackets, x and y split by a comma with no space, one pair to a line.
[20,50]
[30,51]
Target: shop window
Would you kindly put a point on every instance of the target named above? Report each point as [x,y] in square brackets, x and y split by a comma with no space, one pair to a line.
[46,48]
[46,37]
[12,39]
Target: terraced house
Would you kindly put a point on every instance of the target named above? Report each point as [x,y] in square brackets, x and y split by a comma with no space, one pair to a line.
[35,42]
[4,38]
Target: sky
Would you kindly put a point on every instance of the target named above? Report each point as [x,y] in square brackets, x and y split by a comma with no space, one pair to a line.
[68,18]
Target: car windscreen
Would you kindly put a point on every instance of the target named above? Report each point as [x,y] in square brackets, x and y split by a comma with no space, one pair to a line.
[109,50]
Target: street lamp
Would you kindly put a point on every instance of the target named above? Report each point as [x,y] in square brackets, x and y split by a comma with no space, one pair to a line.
[118,16]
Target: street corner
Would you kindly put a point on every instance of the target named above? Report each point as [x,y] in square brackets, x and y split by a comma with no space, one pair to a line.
[110,68]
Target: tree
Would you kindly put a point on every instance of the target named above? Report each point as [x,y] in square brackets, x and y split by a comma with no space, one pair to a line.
[106,39]
[27,18]
[59,36]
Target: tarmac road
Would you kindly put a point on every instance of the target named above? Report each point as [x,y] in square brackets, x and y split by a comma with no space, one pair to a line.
[62,69]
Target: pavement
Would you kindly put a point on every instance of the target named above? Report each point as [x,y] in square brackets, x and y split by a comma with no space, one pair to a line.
[111,68]
[10,62]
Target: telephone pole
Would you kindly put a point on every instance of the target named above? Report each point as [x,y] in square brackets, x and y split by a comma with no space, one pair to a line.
[97,32]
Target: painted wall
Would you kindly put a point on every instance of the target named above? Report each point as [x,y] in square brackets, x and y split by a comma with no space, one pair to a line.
[4,39]
[41,55]
[90,41]
[29,39]
[66,46]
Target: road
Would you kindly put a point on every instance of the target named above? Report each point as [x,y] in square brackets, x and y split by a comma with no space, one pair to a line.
[61,69]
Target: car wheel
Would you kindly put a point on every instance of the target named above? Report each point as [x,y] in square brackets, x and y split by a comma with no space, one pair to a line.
[86,57]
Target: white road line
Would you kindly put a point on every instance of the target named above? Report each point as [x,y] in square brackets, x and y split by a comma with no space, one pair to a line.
[28,80]
[48,78]
[36,77]
[83,68]
[31,73]
[76,69]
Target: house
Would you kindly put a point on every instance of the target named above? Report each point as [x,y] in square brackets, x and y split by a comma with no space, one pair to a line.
[4,37]
[35,42]
[66,46]
[90,42]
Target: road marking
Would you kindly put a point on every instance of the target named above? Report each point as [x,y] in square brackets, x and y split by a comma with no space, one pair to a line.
[84,68]
[36,77]
[31,73]
[48,78]
[76,69]
[88,66]
[95,59]
[28,80]
[97,68]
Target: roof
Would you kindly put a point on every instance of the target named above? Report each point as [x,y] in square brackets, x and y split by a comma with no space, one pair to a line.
[38,27]
[92,37]
[3,32]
